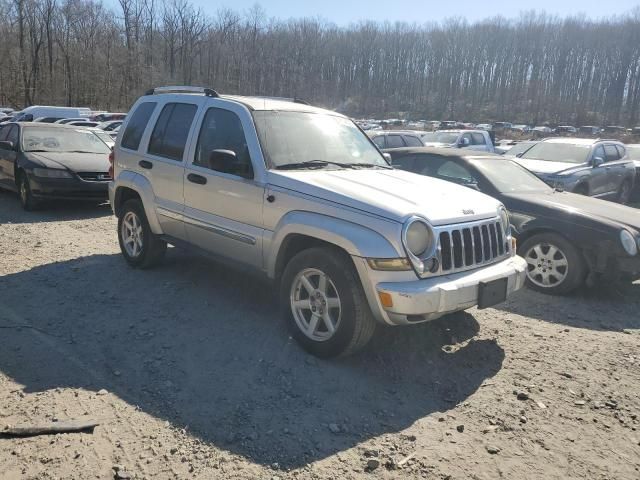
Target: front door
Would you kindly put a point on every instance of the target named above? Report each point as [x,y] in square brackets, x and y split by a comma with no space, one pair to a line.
[223,201]
[598,182]
[9,133]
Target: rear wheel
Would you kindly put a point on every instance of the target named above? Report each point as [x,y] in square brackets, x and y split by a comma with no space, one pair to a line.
[624,193]
[27,200]
[139,245]
[324,305]
[554,265]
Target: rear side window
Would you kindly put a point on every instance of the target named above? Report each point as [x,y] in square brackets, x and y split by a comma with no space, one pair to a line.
[169,136]
[405,163]
[3,132]
[621,151]
[13,135]
[379,141]
[611,153]
[394,141]
[133,134]
[412,141]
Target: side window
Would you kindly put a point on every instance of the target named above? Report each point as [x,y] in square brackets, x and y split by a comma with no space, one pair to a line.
[406,162]
[412,141]
[220,134]
[478,139]
[4,129]
[394,141]
[599,152]
[13,135]
[133,134]
[621,151]
[611,153]
[170,133]
[454,172]
[468,137]
[379,141]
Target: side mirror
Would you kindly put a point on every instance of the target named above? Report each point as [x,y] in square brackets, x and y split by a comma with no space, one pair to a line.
[464,143]
[7,146]
[387,157]
[597,161]
[226,161]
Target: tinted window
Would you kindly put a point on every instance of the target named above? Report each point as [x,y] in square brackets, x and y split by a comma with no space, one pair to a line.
[412,141]
[394,141]
[13,135]
[133,134]
[405,163]
[170,134]
[4,129]
[478,139]
[379,141]
[621,151]
[611,153]
[452,171]
[222,130]
[599,152]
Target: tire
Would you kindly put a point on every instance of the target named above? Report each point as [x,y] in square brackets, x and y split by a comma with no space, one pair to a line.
[550,256]
[354,325]
[624,193]
[27,201]
[582,189]
[143,249]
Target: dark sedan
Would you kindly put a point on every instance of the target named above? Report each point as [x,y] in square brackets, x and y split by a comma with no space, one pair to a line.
[565,238]
[48,161]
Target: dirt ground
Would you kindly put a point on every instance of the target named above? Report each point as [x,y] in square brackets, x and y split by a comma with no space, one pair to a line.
[191,374]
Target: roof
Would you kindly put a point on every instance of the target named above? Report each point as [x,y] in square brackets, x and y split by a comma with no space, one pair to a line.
[445,152]
[48,125]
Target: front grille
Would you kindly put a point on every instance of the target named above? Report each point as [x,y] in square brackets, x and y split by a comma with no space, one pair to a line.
[463,247]
[95,176]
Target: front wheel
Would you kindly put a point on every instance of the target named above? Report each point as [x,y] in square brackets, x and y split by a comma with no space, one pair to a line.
[554,265]
[138,244]
[27,201]
[324,305]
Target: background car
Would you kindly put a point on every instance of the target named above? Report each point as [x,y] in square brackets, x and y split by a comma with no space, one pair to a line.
[110,125]
[468,139]
[519,148]
[596,168]
[47,161]
[395,138]
[47,119]
[83,123]
[64,121]
[565,238]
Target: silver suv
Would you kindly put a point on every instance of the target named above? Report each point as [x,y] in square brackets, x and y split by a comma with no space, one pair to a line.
[303,196]
[598,168]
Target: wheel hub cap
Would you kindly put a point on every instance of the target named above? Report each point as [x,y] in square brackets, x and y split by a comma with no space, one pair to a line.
[315,304]
[131,233]
[547,265]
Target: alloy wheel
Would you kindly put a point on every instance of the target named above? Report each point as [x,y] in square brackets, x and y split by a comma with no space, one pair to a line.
[132,235]
[547,265]
[315,304]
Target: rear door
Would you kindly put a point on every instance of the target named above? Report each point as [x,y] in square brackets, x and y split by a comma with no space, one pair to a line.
[478,142]
[614,167]
[223,201]
[598,182]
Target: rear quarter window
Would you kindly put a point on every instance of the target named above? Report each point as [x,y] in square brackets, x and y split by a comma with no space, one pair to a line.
[137,125]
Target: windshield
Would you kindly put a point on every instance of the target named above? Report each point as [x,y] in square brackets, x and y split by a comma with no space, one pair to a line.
[558,152]
[633,151]
[440,137]
[297,137]
[509,177]
[106,138]
[43,139]
[519,148]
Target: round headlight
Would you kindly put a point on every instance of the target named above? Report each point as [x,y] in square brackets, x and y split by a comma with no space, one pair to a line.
[418,237]
[628,242]
[504,218]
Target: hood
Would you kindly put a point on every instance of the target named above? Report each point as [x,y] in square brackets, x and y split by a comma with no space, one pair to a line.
[438,144]
[76,162]
[580,205]
[544,167]
[393,194]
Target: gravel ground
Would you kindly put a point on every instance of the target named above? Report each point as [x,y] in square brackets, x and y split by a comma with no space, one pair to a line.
[192,375]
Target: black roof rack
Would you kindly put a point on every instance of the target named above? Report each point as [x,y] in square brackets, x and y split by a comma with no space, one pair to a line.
[209,92]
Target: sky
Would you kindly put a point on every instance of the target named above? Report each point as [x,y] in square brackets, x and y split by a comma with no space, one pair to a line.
[343,12]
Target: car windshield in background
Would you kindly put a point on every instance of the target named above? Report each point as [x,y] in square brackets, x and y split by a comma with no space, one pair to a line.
[509,177]
[440,137]
[558,152]
[62,140]
[633,152]
[296,139]
[519,148]
[106,138]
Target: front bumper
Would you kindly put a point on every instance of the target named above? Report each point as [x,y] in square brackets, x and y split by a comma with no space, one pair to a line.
[68,188]
[427,299]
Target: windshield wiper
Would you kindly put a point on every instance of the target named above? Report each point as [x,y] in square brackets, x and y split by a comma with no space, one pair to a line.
[369,165]
[311,164]
[80,151]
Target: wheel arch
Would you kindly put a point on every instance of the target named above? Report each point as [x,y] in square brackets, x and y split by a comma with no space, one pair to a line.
[131,185]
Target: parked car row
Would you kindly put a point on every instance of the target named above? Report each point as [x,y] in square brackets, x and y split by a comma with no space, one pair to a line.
[353,233]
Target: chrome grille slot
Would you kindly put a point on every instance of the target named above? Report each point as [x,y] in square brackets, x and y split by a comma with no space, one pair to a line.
[466,246]
[94,176]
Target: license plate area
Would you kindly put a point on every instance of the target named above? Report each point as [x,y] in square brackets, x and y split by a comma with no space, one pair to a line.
[492,293]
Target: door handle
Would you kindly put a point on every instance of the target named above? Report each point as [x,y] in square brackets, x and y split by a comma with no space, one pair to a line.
[146,164]
[199,179]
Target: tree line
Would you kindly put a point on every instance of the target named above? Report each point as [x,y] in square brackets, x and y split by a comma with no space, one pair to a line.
[536,68]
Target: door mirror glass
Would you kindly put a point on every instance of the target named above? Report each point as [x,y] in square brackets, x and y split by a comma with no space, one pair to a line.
[7,146]
[226,161]
[597,161]
[387,157]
